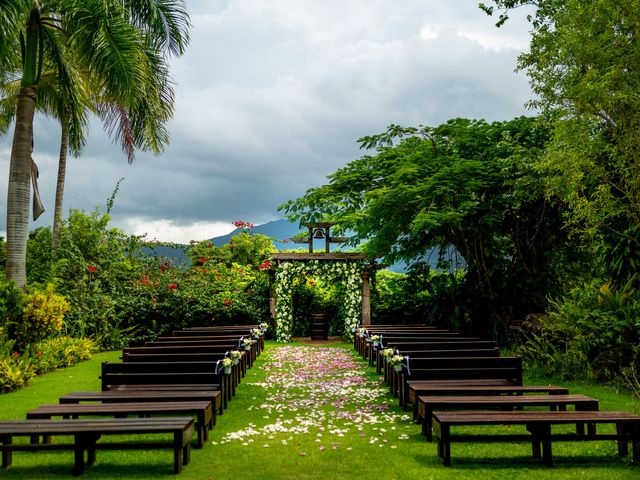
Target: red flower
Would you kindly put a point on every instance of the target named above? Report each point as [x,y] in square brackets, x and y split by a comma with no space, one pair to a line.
[39,354]
[242,224]
[144,279]
[227,302]
[202,259]
[265,265]
[312,283]
[92,269]
[172,286]
[16,354]
[163,267]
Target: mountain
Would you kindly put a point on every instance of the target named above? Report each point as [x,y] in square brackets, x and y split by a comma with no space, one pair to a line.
[278,231]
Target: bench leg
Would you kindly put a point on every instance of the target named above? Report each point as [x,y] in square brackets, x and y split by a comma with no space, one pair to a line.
[78,455]
[178,452]
[7,454]
[541,436]
[444,445]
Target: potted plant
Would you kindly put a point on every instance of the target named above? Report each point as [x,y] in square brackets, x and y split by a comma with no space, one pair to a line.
[235,356]
[376,340]
[396,362]
[247,343]
[227,363]
[387,353]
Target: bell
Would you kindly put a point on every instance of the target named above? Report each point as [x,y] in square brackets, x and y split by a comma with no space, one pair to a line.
[318,233]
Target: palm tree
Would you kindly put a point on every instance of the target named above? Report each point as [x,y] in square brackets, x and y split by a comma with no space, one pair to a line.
[120,46]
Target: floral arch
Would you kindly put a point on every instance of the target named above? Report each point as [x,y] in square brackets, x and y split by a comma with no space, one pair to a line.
[349,268]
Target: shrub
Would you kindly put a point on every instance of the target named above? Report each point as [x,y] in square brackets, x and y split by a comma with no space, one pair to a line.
[59,352]
[11,306]
[593,332]
[43,315]
[14,373]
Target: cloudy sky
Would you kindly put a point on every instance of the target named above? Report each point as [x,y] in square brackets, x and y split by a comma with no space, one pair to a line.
[271,97]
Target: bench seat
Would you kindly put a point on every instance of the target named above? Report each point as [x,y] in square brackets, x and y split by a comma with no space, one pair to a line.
[427,404]
[419,388]
[202,410]
[538,424]
[86,434]
[120,396]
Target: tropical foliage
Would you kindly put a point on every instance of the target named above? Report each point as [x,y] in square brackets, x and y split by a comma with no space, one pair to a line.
[468,188]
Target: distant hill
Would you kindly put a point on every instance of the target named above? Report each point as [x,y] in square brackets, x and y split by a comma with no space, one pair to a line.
[278,231]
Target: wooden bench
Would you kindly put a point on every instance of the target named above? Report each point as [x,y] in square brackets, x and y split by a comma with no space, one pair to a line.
[208,374]
[86,434]
[127,396]
[538,424]
[202,410]
[422,388]
[188,357]
[463,352]
[478,369]
[427,404]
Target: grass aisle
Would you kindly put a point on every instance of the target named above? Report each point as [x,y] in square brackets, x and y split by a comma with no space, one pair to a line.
[308,412]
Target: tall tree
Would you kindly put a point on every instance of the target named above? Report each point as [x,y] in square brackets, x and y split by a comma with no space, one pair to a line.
[466,184]
[119,46]
[584,69]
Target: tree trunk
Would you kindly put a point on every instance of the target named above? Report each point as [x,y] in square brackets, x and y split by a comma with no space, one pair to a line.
[62,170]
[19,190]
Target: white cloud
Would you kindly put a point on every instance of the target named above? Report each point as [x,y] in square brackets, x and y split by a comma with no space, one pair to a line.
[272,96]
[167,230]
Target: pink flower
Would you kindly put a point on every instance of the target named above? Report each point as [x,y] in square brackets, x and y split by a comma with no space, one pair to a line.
[92,269]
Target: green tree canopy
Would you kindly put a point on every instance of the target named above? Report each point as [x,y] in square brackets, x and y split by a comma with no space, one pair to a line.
[466,184]
[584,69]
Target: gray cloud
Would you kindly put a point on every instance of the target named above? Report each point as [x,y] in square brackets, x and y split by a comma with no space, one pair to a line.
[271,97]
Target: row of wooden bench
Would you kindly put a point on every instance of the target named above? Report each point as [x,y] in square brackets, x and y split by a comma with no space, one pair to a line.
[443,371]
[179,376]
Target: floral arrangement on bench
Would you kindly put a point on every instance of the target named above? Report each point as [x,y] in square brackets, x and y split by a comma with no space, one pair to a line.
[387,353]
[396,362]
[235,356]
[227,363]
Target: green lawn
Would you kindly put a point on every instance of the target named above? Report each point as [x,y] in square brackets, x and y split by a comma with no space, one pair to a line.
[287,422]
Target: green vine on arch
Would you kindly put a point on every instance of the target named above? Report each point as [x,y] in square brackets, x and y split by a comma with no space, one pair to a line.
[348,272]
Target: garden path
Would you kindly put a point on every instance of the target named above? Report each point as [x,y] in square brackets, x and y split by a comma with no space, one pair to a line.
[317,398]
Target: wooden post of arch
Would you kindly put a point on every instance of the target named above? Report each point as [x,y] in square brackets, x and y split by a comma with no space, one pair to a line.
[366,297]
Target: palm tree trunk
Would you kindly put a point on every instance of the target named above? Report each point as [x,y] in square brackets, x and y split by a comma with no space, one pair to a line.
[62,171]
[19,190]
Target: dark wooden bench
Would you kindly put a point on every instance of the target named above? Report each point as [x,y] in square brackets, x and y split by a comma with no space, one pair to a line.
[423,388]
[539,425]
[86,434]
[189,357]
[193,347]
[167,373]
[202,410]
[427,404]
[146,395]
[463,352]
[487,369]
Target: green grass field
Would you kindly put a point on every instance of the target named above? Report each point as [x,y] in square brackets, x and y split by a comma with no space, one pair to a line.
[289,422]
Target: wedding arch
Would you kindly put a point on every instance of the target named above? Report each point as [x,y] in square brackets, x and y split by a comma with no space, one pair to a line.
[352,269]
